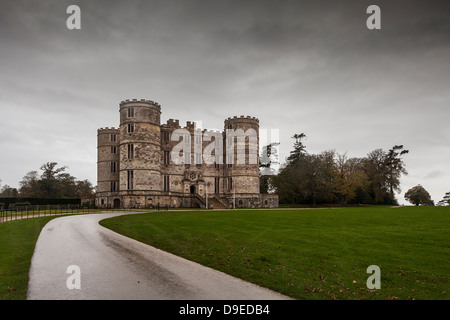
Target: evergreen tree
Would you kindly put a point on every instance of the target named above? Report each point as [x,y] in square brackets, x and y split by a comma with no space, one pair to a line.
[299,149]
[394,168]
[446,199]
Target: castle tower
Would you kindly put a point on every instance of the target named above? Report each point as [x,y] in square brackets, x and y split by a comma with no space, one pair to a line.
[242,176]
[107,166]
[140,149]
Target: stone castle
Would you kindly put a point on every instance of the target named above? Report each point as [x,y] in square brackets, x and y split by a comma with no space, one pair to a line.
[137,169]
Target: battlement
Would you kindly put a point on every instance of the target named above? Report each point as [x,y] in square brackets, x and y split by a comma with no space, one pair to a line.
[172,123]
[141,101]
[212,131]
[242,118]
[190,125]
[107,130]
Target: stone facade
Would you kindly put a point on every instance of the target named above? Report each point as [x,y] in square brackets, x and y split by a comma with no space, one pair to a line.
[136,168]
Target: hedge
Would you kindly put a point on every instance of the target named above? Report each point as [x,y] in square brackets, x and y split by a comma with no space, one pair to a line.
[38,201]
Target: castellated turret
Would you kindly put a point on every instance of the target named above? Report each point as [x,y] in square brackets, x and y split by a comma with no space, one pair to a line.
[108,140]
[243,176]
[136,167]
[140,147]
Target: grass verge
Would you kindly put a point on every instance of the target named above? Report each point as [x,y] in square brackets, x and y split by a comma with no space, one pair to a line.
[311,254]
[17,242]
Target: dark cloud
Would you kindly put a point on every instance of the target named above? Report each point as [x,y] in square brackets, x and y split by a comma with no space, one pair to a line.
[300,66]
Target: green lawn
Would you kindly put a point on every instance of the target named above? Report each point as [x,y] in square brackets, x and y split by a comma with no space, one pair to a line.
[311,254]
[17,241]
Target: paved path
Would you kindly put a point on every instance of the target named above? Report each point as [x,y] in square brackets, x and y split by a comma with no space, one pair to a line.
[113,266]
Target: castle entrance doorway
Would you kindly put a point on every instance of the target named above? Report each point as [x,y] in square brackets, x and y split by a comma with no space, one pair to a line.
[192,189]
[116,203]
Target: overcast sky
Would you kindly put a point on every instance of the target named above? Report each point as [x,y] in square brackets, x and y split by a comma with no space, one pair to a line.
[298,66]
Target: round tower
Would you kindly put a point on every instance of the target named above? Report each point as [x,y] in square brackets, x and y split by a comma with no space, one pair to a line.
[140,147]
[243,174]
[107,165]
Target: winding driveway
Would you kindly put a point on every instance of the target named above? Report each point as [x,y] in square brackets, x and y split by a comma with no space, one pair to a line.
[113,266]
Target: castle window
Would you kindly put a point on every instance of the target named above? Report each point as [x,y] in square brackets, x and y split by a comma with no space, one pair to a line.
[216,185]
[230,160]
[113,138]
[198,159]
[166,136]
[230,142]
[130,127]
[230,184]
[187,158]
[217,160]
[130,112]
[130,179]
[166,183]
[113,186]
[130,151]
[166,158]
[113,149]
[198,139]
[113,167]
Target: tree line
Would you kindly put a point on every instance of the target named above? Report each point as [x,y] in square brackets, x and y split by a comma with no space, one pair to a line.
[331,177]
[53,182]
